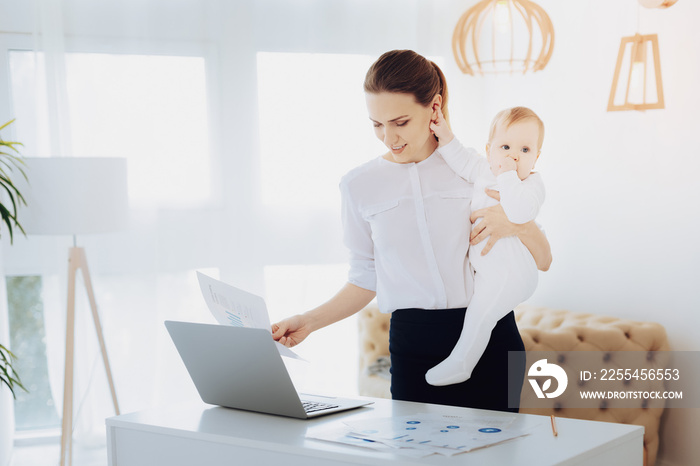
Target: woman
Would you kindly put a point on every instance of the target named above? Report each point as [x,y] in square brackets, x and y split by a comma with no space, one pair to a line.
[406,221]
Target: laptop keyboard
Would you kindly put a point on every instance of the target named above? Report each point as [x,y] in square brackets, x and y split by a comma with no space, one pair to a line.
[311,406]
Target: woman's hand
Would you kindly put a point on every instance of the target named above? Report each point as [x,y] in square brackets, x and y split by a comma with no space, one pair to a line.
[292,330]
[494,224]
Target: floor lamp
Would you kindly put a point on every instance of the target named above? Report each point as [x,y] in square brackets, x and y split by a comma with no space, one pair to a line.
[76,196]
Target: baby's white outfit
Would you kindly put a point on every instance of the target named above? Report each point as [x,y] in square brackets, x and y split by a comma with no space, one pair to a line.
[504,277]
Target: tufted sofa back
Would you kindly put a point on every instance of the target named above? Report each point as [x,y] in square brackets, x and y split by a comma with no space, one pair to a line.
[544,329]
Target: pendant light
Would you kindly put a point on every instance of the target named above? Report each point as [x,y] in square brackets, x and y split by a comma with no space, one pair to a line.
[640,80]
[503,36]
[637,83]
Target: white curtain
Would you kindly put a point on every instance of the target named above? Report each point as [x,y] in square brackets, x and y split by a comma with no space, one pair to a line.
[237,120]
[144,274]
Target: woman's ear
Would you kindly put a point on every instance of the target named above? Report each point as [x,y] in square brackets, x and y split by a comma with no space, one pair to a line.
[488,153]
[437,100]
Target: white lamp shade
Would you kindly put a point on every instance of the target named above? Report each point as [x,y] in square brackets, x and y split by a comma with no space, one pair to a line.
[74,195]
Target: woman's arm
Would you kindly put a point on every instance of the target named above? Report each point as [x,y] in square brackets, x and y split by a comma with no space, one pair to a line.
[495,225]
[349,300]
[536,242]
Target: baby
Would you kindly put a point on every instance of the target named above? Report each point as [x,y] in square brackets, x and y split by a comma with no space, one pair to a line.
[507,275]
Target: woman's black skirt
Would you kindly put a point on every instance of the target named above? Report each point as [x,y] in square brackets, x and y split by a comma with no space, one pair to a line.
[420,339]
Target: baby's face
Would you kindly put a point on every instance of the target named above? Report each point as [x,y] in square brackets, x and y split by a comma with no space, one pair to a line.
[518,142]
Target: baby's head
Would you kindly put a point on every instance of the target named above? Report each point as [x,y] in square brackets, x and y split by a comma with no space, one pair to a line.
[516,133]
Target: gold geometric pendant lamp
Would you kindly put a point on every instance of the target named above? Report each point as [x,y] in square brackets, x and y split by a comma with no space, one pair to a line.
[637,83]
[503,36]
[641,79]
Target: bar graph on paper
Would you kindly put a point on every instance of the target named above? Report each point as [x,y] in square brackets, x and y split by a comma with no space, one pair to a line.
[238,308]
[235,314]
[238,315]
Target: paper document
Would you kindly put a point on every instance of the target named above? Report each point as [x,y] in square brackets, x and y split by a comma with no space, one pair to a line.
[232,306]
[429,433]
[342,434]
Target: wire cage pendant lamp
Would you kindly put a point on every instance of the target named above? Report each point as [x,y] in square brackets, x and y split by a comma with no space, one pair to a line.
[503,36]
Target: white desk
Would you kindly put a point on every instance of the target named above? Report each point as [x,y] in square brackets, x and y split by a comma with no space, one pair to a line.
[207,435]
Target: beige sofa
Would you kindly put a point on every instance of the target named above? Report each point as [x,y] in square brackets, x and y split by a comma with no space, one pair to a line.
[542,329]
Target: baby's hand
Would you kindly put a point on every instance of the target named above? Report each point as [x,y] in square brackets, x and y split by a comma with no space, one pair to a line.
[507,164]
[439,127]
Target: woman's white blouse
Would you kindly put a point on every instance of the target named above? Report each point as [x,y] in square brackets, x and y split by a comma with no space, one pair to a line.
[407,228]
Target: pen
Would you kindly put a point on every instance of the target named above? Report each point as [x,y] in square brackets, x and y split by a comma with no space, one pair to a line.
[554,426]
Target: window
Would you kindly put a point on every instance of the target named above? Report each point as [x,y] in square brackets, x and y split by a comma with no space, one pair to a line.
[34,409]
[152,110]
[313,126]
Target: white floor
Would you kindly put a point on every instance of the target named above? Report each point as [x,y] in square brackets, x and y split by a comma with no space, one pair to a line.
[49,455]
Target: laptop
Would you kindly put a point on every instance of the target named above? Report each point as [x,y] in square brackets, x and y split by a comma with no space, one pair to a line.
[241,368]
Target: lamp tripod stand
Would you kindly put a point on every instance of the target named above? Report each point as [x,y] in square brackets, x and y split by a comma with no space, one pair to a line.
[77,260]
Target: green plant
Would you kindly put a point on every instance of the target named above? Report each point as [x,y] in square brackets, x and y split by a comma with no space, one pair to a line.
[10,164]
[8,376]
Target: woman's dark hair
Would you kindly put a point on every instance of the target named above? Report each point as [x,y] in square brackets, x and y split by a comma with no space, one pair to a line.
[406,72]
